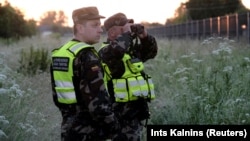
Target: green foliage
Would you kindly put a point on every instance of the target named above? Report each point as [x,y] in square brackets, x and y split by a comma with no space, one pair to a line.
[201,9]
[26,113]
[181,15]
[197,82]
[55,21]
[54,18]
[13,25]
[34,61]
[206,83]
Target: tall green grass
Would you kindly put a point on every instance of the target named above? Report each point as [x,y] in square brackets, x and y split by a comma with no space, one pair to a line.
[197,82]
[201,82]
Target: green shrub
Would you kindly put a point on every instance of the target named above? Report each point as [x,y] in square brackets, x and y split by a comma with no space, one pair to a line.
[34,61]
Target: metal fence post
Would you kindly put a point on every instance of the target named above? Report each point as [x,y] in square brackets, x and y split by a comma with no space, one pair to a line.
[218,26]
[237,26]
[197,30]
[204,28]
[227,26]
[211,26]
[248,27]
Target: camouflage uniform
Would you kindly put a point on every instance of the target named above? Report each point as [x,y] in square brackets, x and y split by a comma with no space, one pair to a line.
[91,119]
[132,113]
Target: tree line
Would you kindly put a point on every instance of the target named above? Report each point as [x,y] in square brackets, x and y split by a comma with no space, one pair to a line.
[14,26]
[202,9]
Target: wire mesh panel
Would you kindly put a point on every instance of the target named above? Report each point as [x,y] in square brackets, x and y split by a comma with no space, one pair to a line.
[231,26]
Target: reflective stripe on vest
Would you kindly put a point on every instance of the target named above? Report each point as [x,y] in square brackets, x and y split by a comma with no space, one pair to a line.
[120,89]
[76,48]
[64,84]
[151,87]
[62,64]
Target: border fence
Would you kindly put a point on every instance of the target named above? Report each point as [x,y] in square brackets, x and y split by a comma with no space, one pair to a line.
[235,26]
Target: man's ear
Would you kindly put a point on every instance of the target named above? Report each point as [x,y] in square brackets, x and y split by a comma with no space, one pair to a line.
[80,28]
[111,32]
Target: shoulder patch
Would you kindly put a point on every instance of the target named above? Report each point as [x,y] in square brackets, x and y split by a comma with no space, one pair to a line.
[60,63]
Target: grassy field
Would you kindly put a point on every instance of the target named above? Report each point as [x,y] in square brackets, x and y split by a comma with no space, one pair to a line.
[197,82]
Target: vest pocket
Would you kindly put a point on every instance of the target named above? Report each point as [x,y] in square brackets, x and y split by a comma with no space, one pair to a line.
[143,86]
[120,90]
[134,88]
[135,65]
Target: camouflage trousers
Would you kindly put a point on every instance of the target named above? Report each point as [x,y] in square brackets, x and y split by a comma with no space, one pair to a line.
[80,130]
[131,130]
[66,126]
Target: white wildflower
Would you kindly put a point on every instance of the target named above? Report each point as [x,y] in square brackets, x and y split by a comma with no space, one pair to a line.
[206,42]
[228,69]
[224,48]
[247,114]
[216,52]
[225,39]
[21,125]
[197,61]
[3,120]
[28,128]
[2,134]
[239,100]
[232,41]
[227,49]
[183,79]
[247,59]
[206,89]
[2,77]
[3,91]
[171,61]
[184,56]
[16,88]
[180,70]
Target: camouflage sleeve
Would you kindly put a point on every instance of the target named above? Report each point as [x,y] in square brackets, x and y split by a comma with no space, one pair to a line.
[93,95]
[147,49]
[113,53]
[118,47]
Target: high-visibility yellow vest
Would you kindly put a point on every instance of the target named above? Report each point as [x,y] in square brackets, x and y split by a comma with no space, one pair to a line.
[132,84]
[62,66]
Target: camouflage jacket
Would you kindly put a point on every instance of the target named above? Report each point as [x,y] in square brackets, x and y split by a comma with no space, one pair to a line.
[93,102]
[112,54]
